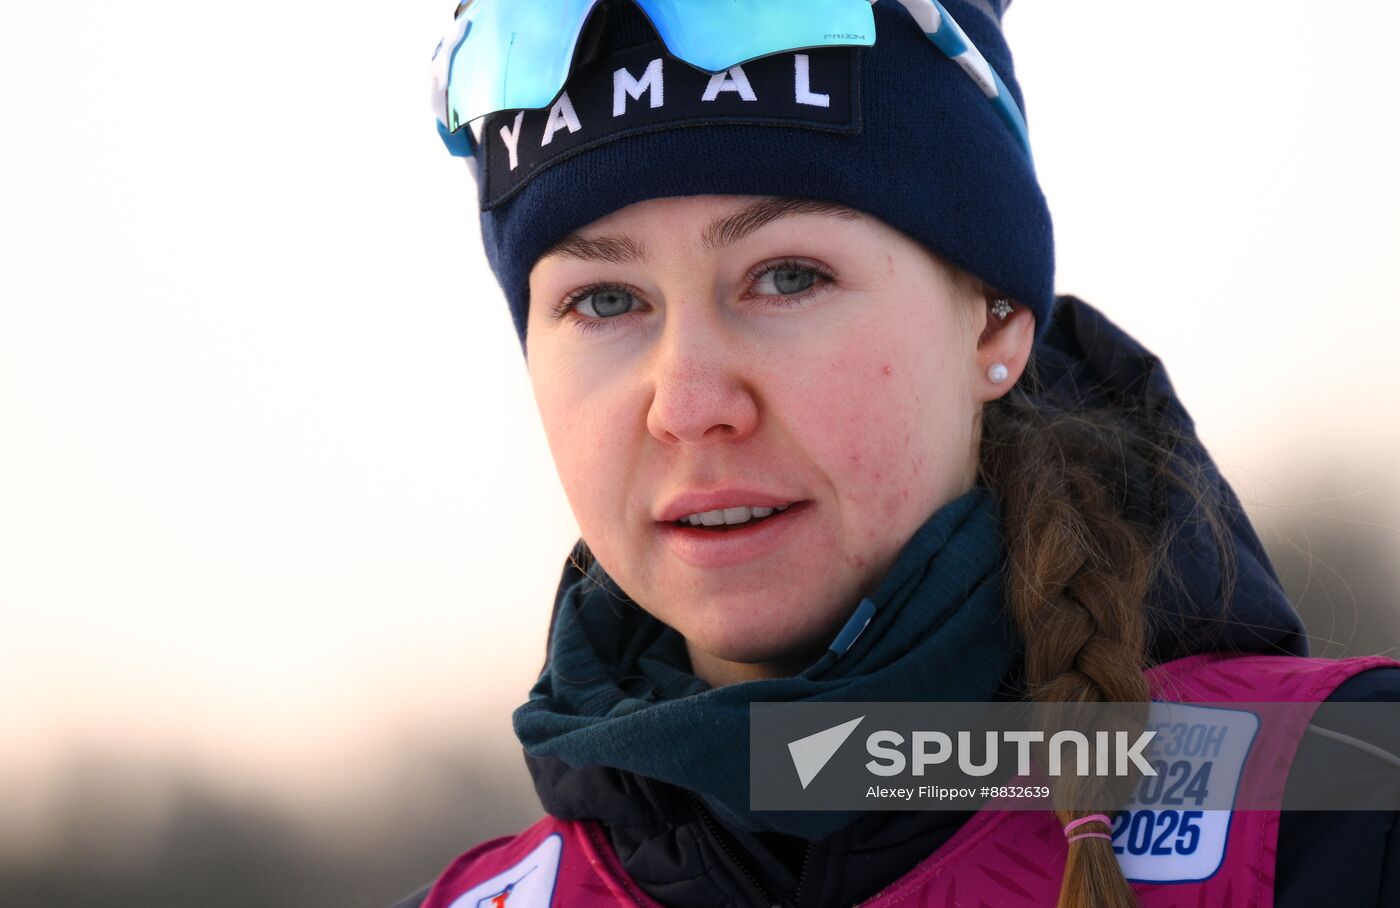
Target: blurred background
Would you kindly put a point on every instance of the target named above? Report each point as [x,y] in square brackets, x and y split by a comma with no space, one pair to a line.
[278,527]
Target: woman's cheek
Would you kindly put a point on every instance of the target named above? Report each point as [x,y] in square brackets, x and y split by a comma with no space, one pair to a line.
[578,428]
[892,438]
[597,449]
[857,419]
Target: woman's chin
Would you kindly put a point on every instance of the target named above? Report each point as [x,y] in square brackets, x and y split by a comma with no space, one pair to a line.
[756,653]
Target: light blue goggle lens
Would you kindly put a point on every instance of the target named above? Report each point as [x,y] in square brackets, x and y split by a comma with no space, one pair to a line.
[505,55]
[715,36]
[510,54]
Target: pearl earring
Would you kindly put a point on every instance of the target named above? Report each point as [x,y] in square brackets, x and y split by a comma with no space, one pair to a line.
[997,373]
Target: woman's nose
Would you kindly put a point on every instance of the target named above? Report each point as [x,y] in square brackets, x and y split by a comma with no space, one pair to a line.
[701,385]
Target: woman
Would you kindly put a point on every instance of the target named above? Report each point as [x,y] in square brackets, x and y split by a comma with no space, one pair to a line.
[828,435]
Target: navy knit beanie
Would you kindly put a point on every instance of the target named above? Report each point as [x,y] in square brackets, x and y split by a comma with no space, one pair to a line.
[896,130]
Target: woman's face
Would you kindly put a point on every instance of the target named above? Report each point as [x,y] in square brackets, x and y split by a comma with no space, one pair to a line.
[714,354]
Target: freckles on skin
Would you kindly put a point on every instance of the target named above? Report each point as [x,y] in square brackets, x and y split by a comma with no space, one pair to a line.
[897,501]
[894,475]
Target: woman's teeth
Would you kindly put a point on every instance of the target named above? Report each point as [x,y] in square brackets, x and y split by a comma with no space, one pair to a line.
[728,516]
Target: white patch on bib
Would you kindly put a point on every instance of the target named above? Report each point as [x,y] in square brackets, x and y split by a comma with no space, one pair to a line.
[1163,835]
[528,884]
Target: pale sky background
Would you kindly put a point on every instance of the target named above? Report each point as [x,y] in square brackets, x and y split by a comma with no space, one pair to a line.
[273,493]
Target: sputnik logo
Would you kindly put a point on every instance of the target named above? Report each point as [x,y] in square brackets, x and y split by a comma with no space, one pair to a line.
[812,753]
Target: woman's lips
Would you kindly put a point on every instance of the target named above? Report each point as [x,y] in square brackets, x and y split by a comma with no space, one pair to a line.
[711,548]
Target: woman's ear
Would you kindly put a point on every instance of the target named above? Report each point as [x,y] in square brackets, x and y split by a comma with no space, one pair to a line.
[1004,344]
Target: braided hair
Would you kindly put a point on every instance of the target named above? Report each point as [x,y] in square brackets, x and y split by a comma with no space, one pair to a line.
[1081,566]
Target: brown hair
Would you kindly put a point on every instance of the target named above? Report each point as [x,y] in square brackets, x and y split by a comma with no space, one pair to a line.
[1080,568]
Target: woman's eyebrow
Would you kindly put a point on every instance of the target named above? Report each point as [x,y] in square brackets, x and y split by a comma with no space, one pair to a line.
[734,227]
[616,250]
[723,231]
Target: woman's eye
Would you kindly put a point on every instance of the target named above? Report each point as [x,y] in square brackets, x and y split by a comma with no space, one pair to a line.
[786,279]
[605,302]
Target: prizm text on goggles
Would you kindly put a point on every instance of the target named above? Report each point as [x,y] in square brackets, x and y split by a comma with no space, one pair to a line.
[517,54]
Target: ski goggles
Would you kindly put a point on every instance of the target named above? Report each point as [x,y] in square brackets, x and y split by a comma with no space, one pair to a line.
[517,54]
